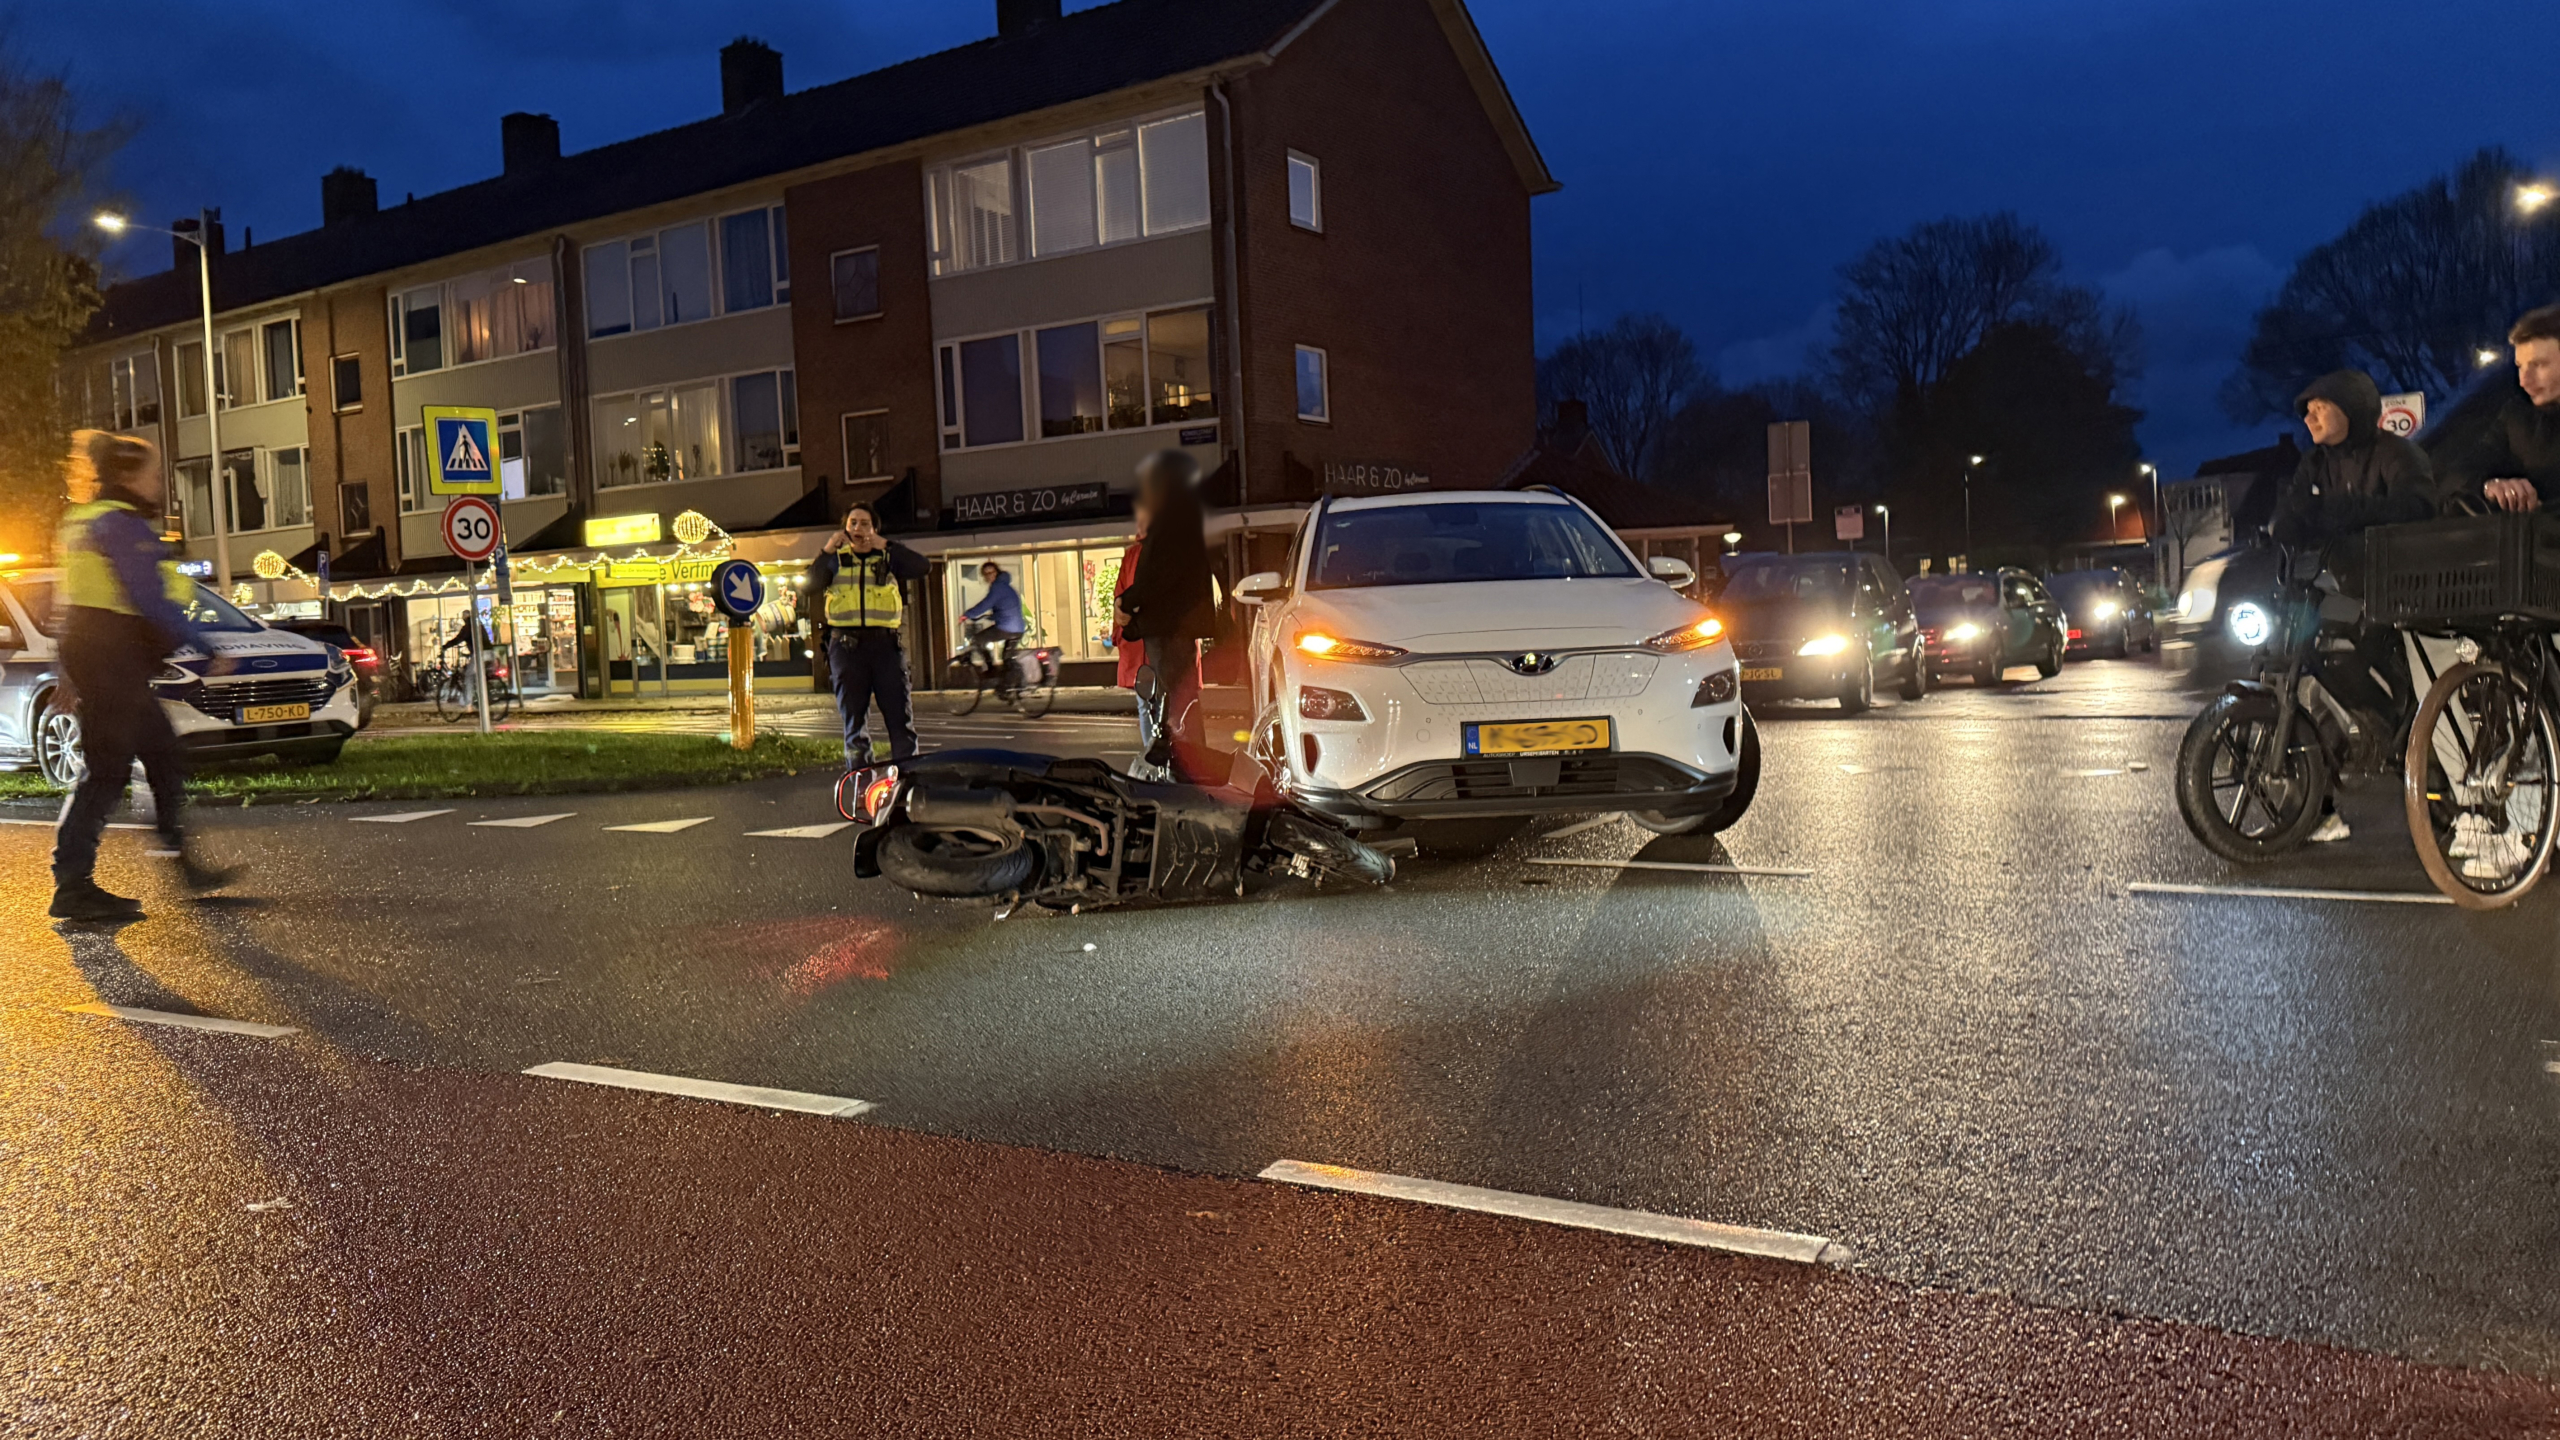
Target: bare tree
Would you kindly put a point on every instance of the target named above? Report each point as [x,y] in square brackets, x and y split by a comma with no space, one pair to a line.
[1633,376]
[2412,291]
[48,281]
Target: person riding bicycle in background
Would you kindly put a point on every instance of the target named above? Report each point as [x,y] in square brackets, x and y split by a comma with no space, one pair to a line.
[1001,608]
[2356,475]
[2515,464]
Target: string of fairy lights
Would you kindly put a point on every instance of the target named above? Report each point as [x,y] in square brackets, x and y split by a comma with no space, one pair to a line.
[699,540]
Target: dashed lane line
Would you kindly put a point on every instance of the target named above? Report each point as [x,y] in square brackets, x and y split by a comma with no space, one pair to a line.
[662,827]
[52,824]
[801,832]
[1578,826]
[213,1023]
[413,815]
[754,1095]
[1678,865]
[2273,892]
[1646,1224]
[522,822]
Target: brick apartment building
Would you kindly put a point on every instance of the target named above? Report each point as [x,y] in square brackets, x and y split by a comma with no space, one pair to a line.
[1290,236]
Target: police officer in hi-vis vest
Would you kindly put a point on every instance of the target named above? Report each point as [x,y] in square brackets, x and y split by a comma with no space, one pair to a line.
[123,613]
[858,577]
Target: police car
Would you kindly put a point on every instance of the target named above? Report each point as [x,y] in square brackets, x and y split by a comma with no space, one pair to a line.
[287,695]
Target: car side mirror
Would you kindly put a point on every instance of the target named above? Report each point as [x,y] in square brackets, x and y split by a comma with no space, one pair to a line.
[1261,588]
[1672,571]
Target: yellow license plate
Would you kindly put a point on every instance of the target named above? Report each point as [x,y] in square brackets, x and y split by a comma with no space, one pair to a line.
[1764,672]
[267,714]
[1537,737]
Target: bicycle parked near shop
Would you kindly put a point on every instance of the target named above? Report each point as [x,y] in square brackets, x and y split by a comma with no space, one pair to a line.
[448,685]
[1027,679]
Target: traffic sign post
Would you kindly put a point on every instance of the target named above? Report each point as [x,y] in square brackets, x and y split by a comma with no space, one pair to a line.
[471,533]
[1791,476]
[1849,522]
[737,587]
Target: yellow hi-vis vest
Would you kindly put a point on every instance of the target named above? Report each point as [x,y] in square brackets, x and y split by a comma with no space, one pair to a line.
[89,580]
[865,593]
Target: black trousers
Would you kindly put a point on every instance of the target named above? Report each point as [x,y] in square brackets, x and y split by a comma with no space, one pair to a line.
[120,722]
[870,664]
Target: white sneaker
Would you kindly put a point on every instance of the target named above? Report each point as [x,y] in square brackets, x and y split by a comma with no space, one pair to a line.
[2332,830]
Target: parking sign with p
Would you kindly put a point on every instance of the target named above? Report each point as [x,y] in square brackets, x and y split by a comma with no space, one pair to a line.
[462,446]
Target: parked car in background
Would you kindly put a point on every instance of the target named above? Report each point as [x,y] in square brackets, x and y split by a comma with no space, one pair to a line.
[1825,626]
[2107,612]
[368,665]
[1983,625]
[285,696]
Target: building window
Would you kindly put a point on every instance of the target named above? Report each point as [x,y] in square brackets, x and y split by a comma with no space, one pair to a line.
[755,262]
[866,445]
[649,280]
[346,382]
[195,497]
[250,500]
[189,358]
[237,375]
[1306,192]
[1315,399]
[765,412]
[285,493]
[1179,387]
[1126,372]
[417,331]
[136,383]
[533,453]
[492,314]
[409,469]
[1070,358]
[1099,188]
[355,511]
[284,358]
[991,390]
[856,274]
[653,436]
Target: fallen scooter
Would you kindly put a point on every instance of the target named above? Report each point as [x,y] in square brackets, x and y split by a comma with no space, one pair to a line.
[1069,834]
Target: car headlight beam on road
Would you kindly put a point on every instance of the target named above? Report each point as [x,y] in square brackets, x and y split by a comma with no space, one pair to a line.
[2250,624]
[1698,634]
[1328,647]
[1825,645]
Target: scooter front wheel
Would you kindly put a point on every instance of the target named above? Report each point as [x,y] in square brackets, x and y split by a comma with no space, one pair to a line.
[2242,808]
[956,864]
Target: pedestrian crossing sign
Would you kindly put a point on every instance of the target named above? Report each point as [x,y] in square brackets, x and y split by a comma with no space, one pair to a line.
[462,446]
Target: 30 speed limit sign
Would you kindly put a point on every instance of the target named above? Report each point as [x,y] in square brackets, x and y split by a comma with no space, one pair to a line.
[471,528]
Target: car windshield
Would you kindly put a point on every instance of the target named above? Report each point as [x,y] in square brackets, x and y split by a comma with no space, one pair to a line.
[1801,581]
[1954,594]
[36,598]
[211,612]
[1457,542]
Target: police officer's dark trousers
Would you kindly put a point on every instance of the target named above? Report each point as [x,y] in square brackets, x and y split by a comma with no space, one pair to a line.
[110,664]
[869,663]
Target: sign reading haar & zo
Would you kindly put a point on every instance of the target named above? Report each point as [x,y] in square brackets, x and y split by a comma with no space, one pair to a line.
[1360,477]
[1046,502]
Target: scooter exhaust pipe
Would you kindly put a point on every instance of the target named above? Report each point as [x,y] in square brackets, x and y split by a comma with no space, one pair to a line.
[960,809]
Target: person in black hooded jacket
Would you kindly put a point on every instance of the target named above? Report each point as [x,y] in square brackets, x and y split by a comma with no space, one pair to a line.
[1171,606]
[2356,475]
[2515,463]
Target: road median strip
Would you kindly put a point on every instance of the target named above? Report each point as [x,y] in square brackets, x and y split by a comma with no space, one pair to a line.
[1643,1224]
[213,1023]
[757,1096]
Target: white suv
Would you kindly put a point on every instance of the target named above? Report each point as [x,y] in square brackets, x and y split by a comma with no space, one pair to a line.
[1454,654]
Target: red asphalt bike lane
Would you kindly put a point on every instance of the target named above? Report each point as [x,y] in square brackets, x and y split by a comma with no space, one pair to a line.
[202,1235]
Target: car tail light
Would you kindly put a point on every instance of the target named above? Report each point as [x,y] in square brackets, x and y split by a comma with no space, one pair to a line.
[362,655]
[1698,634]
[1317,703]
[873,793]
[2075,632]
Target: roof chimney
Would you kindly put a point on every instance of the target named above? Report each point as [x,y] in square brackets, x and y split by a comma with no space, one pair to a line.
[528,142]
[750,70]
[1016,17]
[346,193]
[182,248]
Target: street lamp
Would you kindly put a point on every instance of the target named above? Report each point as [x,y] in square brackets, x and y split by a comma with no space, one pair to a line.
[2159,523]
[2486,356]
[1971,464]
[2533,195]
[2115,531]
[1732,541]
[1887,512]
[202,239]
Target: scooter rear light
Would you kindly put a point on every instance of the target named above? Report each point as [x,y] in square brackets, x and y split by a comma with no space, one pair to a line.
[863,796]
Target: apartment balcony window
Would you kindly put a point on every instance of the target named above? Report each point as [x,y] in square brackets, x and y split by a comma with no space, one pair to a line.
[1103,187]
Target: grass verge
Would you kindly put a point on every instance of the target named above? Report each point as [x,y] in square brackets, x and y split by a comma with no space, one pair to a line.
[550,762]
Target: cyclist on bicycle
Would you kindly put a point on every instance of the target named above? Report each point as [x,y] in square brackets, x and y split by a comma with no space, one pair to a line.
[2355,476]
[1001,608]
[2515,465]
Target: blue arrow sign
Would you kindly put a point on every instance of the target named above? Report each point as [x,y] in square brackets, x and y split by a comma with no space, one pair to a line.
[737,587]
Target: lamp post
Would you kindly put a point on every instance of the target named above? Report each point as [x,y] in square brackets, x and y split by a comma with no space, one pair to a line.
[2159,534]
[1971,464]
[115,224]
[2115,530]
[1887,512]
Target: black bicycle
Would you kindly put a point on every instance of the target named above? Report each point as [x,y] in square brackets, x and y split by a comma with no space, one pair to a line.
[1029,684]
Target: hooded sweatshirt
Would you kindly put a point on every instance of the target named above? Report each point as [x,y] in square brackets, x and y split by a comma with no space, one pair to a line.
[2372,477]
[2521,443]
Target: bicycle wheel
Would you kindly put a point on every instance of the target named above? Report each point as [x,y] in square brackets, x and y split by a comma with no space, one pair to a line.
[453,695]
[2479,786]
[964,687]
[502,700]
[1034,699]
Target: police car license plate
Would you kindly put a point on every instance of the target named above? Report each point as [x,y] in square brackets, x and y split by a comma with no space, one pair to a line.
[269,714]
[1754,675]
[1536,737]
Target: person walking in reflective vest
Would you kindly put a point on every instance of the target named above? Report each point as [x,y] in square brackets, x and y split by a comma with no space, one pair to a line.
[124,612]
[859,579]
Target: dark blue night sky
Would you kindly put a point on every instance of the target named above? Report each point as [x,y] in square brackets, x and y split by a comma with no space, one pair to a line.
[1720,159]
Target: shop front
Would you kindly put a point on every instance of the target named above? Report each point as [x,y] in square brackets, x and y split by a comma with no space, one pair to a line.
[662,635]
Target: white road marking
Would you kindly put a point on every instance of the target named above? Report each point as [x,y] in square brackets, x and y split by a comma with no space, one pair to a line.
[1669,865]
[2268,892]
[183,1022]
[398,819]
[1670,1229]
[756,1095]
[800,832]
[662,827]
[1870,769]
[2090,774]
[51,824]
[1578,826]
[521,822]
[2137,766]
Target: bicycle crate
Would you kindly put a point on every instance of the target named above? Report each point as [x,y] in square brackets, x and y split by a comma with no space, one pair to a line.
[2464,569]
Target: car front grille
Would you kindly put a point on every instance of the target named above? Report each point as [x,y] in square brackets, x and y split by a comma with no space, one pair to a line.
[223,700]
[1490,682]
[1759,649]
[1573,775]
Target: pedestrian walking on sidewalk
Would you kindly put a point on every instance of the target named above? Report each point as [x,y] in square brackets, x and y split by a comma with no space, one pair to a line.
[861,576]
[1170,606]
[125,611]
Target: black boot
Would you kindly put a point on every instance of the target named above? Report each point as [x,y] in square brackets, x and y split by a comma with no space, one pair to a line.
[83,900]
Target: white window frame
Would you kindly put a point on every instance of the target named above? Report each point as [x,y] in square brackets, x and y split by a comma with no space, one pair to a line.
[777,237]
[879,302]
[445,319]
[338,403]
[844,436]
[725,404]
[1324,383]
[951,401]
[228,401]
[266,361]
[938,248]
[1314,223]
[777,257]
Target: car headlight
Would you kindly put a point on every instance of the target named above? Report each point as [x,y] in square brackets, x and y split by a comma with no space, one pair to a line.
[173,674]
[2103,610]
[1332,647]
[1825,645]
[1317,703]
[1966,631]
[2250,624]
[339,664]
[1698,634]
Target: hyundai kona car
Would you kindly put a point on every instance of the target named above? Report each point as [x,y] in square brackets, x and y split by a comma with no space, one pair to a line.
[1456,654]
[285,695]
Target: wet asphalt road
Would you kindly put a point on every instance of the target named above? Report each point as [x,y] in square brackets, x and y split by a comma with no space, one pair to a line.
[1960,1046]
